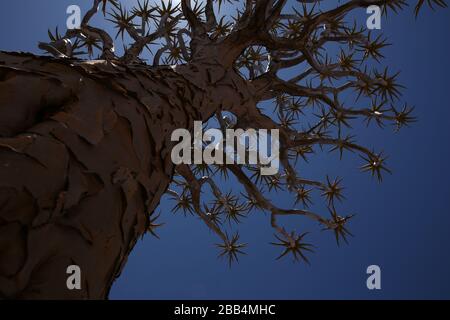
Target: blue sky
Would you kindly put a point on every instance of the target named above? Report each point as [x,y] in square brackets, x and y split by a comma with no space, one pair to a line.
[402,225]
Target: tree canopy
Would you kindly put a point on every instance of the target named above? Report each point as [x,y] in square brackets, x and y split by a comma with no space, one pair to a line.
[314,70]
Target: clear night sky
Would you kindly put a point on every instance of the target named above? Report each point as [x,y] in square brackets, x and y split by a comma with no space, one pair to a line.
[402,225]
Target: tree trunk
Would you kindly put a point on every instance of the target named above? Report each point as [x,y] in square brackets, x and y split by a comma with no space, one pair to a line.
[84,159]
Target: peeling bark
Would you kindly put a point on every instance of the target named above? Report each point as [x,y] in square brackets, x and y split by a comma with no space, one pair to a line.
[84,159]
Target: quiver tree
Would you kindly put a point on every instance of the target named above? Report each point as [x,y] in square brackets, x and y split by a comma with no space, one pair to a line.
[85,144]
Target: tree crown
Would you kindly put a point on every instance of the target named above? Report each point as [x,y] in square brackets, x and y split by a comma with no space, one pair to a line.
[333,59]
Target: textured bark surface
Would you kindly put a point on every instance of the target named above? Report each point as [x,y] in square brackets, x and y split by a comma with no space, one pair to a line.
[84,159]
